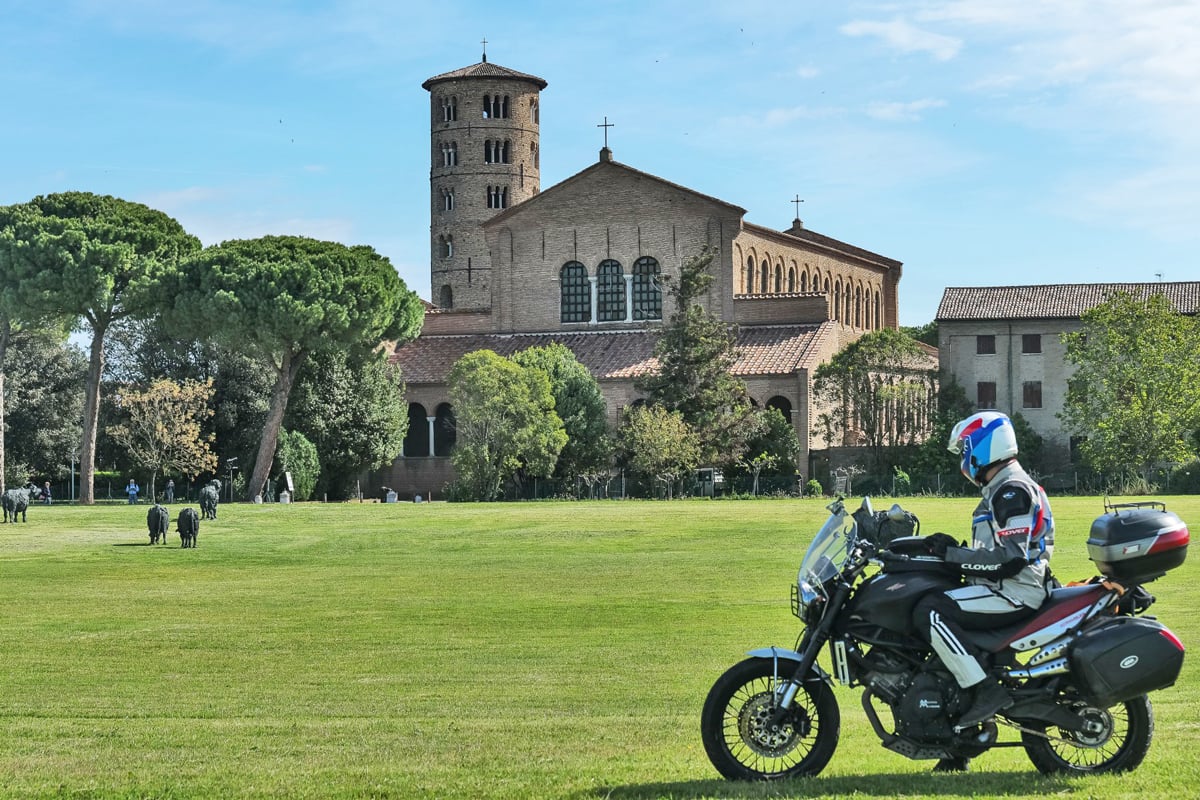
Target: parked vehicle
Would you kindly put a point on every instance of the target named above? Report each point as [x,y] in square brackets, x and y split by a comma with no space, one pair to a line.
[1078,670]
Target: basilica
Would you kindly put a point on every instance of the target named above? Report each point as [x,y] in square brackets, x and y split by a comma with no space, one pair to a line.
[514,266]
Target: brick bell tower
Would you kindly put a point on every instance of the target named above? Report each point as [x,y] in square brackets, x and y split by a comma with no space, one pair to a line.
[483,159]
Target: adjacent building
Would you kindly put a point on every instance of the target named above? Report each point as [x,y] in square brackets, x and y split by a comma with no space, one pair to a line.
[1003,345]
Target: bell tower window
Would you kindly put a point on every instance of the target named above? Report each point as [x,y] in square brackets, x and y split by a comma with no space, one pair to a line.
[449,154]
[497,197]
[495,106]
[447,199]
[449,109]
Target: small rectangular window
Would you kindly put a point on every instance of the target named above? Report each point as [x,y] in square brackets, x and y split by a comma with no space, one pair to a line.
[985,394]
[1031,343]
[985,345]
[1032,391]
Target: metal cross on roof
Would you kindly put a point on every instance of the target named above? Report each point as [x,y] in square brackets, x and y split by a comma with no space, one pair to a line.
[797,203]
[484,43]
[606,125]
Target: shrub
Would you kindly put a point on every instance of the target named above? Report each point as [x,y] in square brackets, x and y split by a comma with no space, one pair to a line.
[813,488]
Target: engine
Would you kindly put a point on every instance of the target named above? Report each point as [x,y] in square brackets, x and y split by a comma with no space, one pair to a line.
[923,704]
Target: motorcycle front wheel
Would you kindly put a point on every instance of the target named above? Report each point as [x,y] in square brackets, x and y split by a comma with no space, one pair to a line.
[1118,745]
[736,724]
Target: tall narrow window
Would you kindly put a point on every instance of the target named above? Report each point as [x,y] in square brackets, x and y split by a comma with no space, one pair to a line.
[533,109]
[446,296]
[803,282]
[647,294]
[487,106]
[449,154]
[750,275]
[764,283]
[447,199]
[1032,394]
[504,108]
[791,284]
[446,246]
[985,394]
[576,297]
[778,278]
[449,109]
[610,297]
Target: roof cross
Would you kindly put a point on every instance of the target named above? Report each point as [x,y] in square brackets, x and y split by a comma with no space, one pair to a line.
[606,125]
[484,43]
[797,203]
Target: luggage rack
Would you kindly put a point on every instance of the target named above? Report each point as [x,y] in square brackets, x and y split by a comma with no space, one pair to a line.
[1116,508]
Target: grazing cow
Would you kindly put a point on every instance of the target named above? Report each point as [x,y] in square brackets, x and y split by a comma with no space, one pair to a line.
[189,527]
[158,520]
[16,501]
[209,495]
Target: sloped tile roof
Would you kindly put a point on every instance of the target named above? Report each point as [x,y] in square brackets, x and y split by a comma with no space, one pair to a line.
[1054,301]
[764,350]
[484,69]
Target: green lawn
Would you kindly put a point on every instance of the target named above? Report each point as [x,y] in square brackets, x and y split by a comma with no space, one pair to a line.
[434,650]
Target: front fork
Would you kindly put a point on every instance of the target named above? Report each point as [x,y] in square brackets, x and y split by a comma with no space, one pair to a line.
[810,647]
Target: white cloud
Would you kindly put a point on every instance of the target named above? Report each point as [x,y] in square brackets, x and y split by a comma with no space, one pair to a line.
[902,112]
[906,38]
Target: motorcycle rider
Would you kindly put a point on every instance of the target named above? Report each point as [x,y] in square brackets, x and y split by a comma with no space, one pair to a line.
[1006,566]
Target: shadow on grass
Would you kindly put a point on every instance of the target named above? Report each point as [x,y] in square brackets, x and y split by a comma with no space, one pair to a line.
[991,784]
[135,544]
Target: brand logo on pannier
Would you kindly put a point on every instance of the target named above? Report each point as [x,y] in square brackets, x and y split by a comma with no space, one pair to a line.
[1128,661]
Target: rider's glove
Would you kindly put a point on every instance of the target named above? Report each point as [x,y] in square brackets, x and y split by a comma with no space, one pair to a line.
[938,543]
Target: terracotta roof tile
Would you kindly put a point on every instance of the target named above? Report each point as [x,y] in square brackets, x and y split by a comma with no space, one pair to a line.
[484,69]
[764,350]
[1054,301]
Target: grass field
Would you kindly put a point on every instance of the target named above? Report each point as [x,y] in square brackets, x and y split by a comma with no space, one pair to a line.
[464,651]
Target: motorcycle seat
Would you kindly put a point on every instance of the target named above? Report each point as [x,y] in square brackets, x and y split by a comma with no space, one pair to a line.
[1061,603]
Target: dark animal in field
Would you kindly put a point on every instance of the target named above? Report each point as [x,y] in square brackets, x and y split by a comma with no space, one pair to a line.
[158,520]
[16,501]
[209,495]
[189,527]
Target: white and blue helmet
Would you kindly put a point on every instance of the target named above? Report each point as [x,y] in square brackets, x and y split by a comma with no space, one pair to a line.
[982,440]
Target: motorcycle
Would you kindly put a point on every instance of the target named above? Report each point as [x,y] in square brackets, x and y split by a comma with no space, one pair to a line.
[1078,670]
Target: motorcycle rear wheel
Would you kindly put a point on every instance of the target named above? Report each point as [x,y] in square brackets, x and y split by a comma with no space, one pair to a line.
[1129,727]
[737,734]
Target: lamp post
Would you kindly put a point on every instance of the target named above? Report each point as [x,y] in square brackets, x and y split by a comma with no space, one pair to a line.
[232,465]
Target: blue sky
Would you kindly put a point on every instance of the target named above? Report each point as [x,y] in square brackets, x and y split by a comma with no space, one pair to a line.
[980,142]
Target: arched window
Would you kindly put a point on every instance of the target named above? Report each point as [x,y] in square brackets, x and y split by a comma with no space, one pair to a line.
[750,275]
[647,294]
[764,281]
[610,291]
[446,297]
[791,286]
[445,434]
[445,246]
[837,301]
[803,281]
[534,156]
[497,197]
[416,441]
[783,404]
[878,315]
[449,154]
[447,199]
[847,315]
[533,110]
[576,293]
[779,277]
[449,109]
[495,106]
[858,306]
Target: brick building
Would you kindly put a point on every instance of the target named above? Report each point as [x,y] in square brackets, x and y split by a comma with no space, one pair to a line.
[1003,345]
[514,267]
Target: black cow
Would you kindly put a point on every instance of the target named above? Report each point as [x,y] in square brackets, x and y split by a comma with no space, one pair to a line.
[158,520]
[209,495]
[189,527]
[16,501]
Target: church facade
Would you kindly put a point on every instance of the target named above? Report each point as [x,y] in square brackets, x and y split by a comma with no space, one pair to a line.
[514,267]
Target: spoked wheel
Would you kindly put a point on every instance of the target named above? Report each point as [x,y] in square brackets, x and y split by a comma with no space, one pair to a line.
[1117,740]
[739,737]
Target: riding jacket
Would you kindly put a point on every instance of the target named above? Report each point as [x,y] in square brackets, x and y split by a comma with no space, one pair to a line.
[1012,538]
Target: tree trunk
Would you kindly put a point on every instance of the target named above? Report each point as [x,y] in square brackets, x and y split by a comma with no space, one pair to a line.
[2,422]
[91,419]
[284,379]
